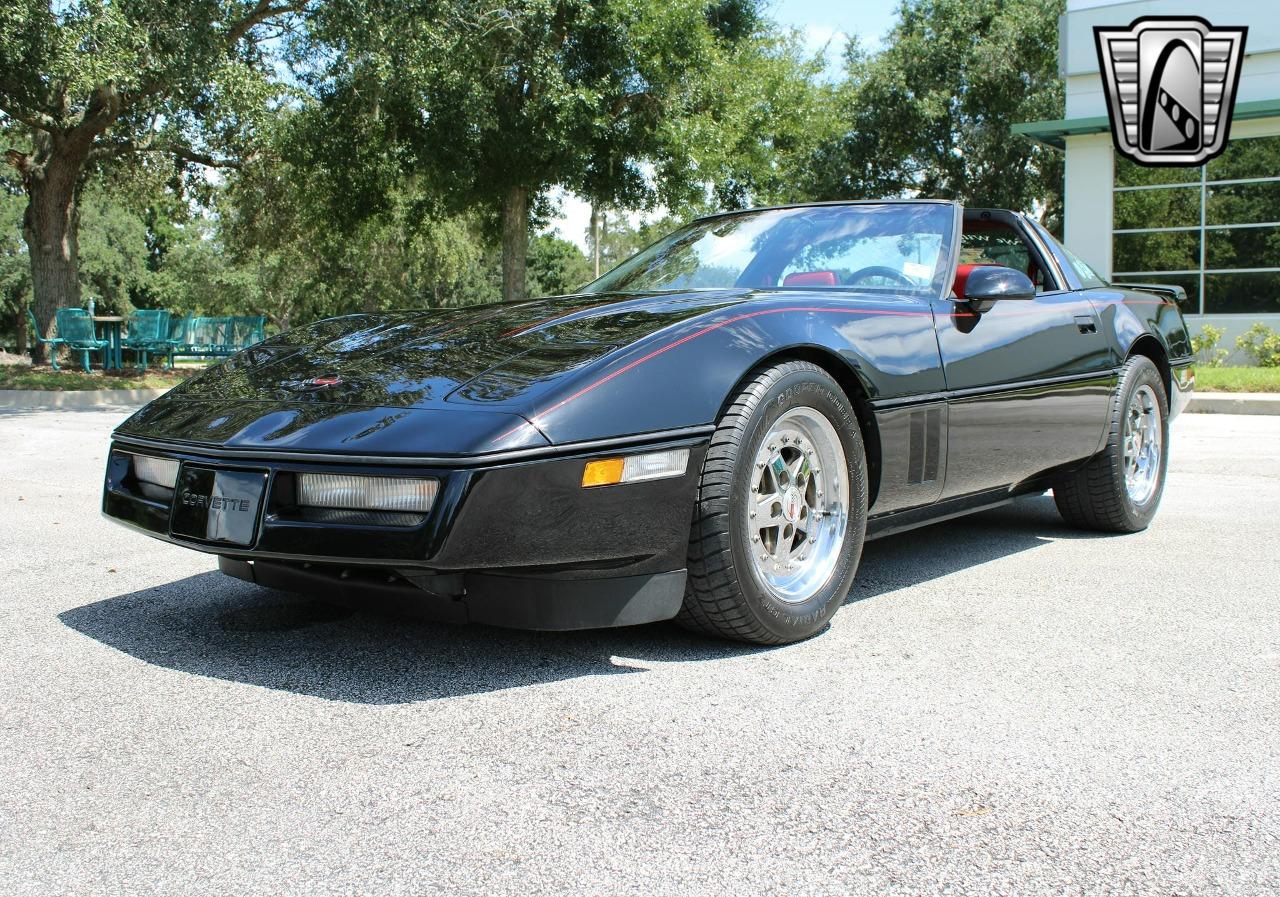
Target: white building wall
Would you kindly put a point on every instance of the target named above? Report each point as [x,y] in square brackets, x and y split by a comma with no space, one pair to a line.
[1078,54]
[1088,199]
[1090,160]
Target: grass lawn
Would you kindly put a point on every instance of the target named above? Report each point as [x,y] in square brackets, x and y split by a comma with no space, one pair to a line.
[1237,379]
[23,376]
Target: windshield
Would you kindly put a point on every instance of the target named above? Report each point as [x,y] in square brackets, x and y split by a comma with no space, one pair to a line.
[876,246]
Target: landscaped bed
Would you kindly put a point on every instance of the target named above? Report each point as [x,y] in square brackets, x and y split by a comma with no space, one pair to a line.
[24,376]
[1237,379]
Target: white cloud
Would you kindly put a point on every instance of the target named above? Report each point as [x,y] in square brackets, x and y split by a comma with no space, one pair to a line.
[574,219]
[827,41]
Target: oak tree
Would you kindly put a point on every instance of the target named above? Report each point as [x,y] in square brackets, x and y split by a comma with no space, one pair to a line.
[89,83]
[930,114]
[493,103]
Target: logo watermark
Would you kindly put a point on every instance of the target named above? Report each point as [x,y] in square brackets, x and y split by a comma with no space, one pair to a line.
[1171,87]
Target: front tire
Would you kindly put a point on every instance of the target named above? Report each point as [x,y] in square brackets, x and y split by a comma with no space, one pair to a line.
[1119,489]
[781,510]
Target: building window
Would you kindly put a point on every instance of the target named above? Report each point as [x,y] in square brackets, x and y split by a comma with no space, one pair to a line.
[1213,230]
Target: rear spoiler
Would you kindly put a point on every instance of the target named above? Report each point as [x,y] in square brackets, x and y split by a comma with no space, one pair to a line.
[1164,290]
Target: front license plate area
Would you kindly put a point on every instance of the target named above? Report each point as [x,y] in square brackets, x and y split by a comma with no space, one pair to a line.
[217,505]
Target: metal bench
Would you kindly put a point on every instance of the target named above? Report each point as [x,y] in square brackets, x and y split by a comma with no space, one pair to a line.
[148,334]
[74,329]
[213,337]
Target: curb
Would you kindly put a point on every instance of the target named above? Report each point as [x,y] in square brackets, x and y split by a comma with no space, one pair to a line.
[40,399]
[1234,403]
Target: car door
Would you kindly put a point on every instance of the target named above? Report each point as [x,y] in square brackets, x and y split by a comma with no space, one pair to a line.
[1028,381]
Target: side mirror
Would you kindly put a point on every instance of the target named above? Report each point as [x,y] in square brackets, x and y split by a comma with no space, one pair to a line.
[986,284]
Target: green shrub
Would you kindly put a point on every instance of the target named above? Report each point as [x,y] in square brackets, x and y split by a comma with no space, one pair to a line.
[1262,344]
[1205,345]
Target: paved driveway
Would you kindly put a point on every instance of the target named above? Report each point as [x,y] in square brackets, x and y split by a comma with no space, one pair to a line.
[1005,706]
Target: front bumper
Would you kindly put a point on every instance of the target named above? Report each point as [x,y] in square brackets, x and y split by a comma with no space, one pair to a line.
[513,542]
[518,602]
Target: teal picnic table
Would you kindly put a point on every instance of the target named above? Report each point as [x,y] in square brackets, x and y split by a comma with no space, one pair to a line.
[110,325]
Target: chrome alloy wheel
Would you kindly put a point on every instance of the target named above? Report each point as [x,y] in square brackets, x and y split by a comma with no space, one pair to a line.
[797,509]
[1143,443]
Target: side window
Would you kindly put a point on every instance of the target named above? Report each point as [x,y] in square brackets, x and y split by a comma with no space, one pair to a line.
[1001,245]
[1087,276]
[888,260]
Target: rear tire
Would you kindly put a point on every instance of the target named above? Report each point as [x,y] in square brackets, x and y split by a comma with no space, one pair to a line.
[1119,489]
[781,510]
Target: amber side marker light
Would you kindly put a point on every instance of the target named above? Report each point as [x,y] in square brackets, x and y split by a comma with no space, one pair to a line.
[635,468]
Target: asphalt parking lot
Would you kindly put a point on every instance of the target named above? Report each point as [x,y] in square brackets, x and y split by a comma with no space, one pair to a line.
[1004,706]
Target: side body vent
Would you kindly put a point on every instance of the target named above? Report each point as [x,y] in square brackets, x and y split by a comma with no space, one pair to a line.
[924,445]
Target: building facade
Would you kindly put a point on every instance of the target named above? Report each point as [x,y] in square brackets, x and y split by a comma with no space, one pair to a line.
[1213,229]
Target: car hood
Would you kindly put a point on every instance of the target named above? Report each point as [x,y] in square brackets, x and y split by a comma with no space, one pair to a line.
[377,382]
[429,358]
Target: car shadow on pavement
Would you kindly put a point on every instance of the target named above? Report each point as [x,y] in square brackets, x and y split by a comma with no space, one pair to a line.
[931,552]
[213,625]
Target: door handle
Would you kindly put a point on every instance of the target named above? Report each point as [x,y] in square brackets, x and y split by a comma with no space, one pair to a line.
[1086,324]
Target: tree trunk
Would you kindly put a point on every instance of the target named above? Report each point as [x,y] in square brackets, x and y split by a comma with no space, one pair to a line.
[515,242]
[20,332]
[49,226]
[595,238]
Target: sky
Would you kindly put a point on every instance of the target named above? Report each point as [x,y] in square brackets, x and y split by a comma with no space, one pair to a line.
[825,25]
[831,22]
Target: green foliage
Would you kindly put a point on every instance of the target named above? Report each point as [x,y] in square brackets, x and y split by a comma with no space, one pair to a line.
[15,267]
[113,252]
[492,104]
[1262,344]
[766,115]
[930,114]
[1238,379]
[93,85]
[146,74]
[1205,346]
[304,261]
[371,148]
[556,266]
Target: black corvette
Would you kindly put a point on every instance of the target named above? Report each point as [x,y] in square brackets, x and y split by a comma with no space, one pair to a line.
[708,432]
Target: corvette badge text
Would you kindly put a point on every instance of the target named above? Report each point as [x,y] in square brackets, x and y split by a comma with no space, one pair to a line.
[214,503]
[1171,87]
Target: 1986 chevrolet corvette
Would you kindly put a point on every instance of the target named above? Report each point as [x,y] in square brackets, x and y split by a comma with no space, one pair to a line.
[708,432]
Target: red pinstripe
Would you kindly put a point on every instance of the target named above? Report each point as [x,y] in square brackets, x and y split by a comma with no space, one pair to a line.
[632,365]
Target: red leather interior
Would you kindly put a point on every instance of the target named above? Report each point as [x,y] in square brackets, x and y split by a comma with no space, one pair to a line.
[962,275]
[810,279]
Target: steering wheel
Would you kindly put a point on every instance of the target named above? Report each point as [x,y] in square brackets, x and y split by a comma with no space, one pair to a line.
[881,271]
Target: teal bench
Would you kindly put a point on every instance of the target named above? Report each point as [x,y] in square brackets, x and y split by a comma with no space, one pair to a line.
[213,337]
[74,329]
[148,334]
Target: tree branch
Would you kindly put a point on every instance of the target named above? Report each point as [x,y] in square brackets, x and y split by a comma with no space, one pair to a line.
[105,106]
[178,151]
[38,120]
[186,154]
[262,11]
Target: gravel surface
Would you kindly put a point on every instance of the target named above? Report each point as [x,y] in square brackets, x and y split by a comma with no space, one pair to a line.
[1005,706]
